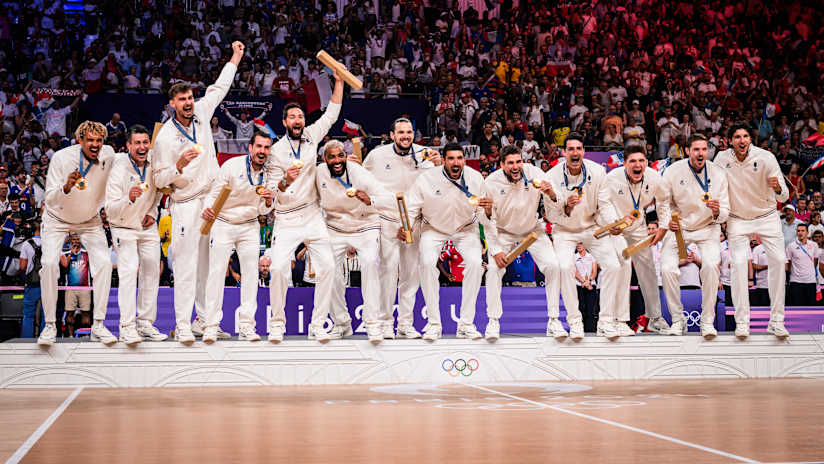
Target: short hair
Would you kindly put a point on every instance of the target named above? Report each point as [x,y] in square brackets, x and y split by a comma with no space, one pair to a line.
[178,88]
[399,120]
[332,144]
[289,106]
[802,224]
[573,136]
[633,148]
[259,133]
[13,196]
[90,127]
[509,150]
[740,125]
[451,146]
[696,138]
[137,129]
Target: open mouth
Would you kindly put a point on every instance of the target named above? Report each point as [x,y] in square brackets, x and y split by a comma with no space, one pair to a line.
[337,169]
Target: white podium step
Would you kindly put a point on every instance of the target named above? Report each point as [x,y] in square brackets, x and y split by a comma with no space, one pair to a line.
[298,361]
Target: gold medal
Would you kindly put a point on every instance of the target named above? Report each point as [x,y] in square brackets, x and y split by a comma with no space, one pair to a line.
[198,147]
[705,197]
[143,186]
[260,189]
[81,183]
[473,200]
[580,191]
[635,214]
[297,163]
[351,191]
[536,183]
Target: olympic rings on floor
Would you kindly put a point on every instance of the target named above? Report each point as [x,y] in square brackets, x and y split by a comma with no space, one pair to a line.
[460,366]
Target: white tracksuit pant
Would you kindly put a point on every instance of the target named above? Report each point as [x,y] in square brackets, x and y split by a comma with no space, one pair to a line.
[52,234]
[396,255]
[138,264]
[543,253]
[614,299]
[468,244]
[223,239]
[367,244]
[769,230]
[645,270]
[289,231]
[709,247]
[190,254]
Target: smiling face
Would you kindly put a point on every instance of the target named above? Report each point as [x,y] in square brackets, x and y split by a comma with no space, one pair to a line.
[294,123]
[513,165]
[259,150]
[138,146]
[741,142]
[184,105]
[698,151]
[91,143]
[454,163]
[402,135]
[336,161]
[635,164]
[574,155]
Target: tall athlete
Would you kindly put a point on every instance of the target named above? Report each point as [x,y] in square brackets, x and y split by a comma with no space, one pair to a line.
[755,185]
[298,217]
[131,207]
[185,158]
[397,166]
[516,190]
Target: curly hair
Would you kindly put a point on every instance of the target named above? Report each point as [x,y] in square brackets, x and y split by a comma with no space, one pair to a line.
[92,127]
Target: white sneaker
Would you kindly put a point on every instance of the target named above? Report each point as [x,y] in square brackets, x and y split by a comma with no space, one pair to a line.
[468,331]
[708,331]
[375,334]
[659,325]
[341,331]
[184,335]
[129,335]
[623,329]
[198,329]
[150,332]
[408,332]
[318,334]
[607,330]
[100,333]
[555,329]
[247,332]
[48,336]
[742,331]
[388,331]
[677,328]
[210,335]
[576,330]
[432,332]
[276,333]
[777,328]
[493,330]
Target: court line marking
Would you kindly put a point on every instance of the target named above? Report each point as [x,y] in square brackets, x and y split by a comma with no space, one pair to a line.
[620,425]
[30,442]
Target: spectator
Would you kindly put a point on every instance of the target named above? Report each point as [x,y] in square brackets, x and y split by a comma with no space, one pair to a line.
[586,275]
[760,294]
[263,271]
[789,224]
[802,263]
[30,254]
[74,264]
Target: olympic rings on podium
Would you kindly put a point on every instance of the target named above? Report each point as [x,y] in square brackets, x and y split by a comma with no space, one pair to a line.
[460,366]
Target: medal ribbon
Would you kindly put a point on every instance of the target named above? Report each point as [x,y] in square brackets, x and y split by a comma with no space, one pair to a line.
[141,174]
[249,172]
[705,186]
[583,181]
[193,137]
[345,183]
[84,171]
[462,186]
[808,255]
[411,153]
[635,204]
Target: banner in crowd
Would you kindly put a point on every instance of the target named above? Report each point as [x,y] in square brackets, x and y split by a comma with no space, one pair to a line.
[524,311]
[374,115]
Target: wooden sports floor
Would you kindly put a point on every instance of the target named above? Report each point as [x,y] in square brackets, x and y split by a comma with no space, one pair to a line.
[672,421]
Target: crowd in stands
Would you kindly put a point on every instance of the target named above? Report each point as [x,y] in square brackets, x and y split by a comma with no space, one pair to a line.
[493,73]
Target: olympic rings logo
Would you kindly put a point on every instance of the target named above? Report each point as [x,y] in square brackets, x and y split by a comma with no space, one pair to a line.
[460,366]
[693,318]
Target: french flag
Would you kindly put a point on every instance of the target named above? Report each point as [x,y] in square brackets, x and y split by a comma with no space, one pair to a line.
[818,163]
[615,160]
[317,92]
[263,127]
[351,128]
[660,165]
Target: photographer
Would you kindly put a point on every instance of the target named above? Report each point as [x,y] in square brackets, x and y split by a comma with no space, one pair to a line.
[30,255]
